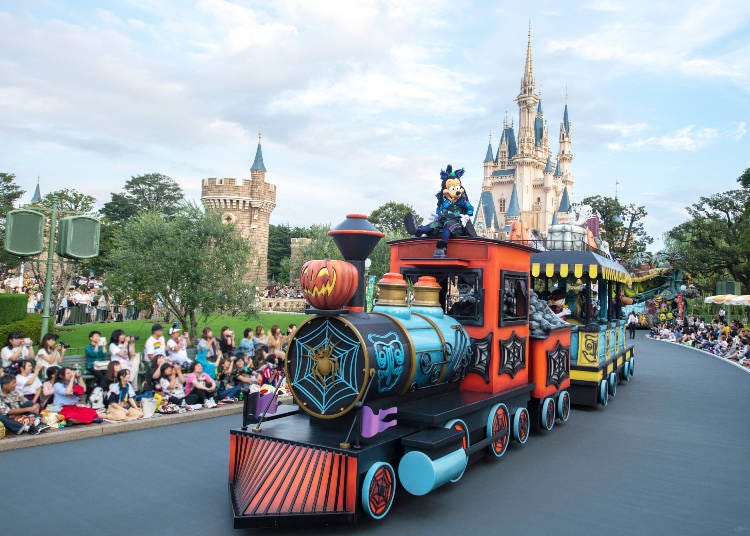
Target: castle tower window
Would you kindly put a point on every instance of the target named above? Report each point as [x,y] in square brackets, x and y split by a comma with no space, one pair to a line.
[501,205]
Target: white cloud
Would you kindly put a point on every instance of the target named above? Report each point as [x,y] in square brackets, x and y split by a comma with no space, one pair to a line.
[740,131]
[624,129]
[685,139]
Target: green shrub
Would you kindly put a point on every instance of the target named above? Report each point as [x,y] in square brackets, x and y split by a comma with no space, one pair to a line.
[12,307]
[30,326]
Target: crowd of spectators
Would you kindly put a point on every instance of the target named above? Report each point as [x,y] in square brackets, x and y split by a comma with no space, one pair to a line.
[729,340]
[37,387]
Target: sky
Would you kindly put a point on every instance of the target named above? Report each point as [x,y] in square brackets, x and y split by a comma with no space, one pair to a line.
[361,102]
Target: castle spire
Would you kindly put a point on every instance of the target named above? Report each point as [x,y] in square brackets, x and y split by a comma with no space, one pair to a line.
[514,209]
[258,162]
[527,82]
[489,157]
[37,197]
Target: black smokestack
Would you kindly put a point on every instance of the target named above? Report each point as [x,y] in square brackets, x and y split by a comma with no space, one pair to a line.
[356,237]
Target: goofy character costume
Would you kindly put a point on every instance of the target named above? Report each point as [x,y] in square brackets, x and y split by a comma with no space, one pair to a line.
[452,216]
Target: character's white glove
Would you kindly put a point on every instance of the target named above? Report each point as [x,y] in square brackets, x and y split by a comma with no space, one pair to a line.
[465,218]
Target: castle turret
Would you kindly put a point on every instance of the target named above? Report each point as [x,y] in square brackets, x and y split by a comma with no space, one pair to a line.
[248,205]
[489,161]
[565,155]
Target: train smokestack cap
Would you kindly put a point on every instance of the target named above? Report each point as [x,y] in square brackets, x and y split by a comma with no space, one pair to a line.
[356,237]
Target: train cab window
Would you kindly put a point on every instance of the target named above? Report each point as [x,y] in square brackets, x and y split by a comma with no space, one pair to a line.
[514,298]
[461,294]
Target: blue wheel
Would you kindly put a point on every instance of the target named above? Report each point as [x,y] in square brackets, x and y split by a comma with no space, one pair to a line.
[563,406]
[458,424]
[378,490]
[626,371]
[632,366]
[547,416]
[613,384]
[521,424]
[498,421]
[603,393]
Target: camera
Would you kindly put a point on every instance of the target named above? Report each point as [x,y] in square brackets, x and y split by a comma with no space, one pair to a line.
[134,337]
[64,345]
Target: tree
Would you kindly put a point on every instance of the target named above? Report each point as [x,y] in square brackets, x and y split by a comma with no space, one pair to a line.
[193,262]
[716,240]
[744,179]
[622,226]
[279,249]
[389,217]
[70,200]
[10,192]
[152,192]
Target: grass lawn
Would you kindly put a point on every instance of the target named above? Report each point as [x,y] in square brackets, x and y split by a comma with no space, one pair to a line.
[78,336]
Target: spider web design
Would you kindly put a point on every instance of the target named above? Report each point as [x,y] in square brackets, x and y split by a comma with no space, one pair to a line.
[343,387]
[557,364]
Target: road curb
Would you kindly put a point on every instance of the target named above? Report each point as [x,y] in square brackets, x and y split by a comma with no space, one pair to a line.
[722,359]
[86,431]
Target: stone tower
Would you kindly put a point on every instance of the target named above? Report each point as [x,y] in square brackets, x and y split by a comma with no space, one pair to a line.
[247,204]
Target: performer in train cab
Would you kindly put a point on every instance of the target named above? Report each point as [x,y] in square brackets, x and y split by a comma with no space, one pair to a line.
[452,216]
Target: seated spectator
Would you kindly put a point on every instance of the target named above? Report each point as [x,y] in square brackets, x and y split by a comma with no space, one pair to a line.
[270,371]
[260,336]
[276,341]
[226,341]
[244,374]
[16,348]
[177,347]
[97,358]
[209,352]
[112,369]
[48,387]
[16,413]
[200,388]
[172,383]
[153,374]
[155,344]
[50,353]
[122,349]
[27,381]
[69,387]
[227,389]
[247,344]
[121,392]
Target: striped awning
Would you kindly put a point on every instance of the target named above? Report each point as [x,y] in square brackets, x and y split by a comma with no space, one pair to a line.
[577,264]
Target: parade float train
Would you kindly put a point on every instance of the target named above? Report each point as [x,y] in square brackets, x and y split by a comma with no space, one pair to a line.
[406,396]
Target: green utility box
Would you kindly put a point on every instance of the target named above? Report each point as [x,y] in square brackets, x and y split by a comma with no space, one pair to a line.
[24,232]
[78,237]
[728,287]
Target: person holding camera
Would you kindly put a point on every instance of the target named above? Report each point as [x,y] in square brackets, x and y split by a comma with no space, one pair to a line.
[209,352]
[122,349]
[51,353]
[97,358]
[16,348]
[226,341]
[69,387]
[177,347]
[28,382]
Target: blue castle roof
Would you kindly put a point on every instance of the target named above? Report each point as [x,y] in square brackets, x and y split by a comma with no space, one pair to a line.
[564,201]
[487,209]
[489,158]
[566,121]
[258,162]
[558,173]
[548,168]
[37,194]
[538,131]
[511,137]
[554,218]
[513,208]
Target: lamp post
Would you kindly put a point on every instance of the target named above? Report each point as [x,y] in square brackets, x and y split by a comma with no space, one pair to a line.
[48,278]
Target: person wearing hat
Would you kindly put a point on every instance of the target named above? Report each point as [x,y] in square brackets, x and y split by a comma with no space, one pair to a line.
[155,344]
[177,346]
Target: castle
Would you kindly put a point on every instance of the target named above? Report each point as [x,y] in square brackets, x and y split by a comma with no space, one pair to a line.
[247,204]
[521,181]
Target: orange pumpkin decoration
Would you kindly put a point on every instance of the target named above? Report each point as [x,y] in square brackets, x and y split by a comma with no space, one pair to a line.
[328,284]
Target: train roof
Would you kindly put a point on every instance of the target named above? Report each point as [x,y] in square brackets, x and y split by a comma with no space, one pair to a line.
[506,243]
[578,263]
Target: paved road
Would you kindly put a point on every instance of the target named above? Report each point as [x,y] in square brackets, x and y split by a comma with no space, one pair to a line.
[668,456]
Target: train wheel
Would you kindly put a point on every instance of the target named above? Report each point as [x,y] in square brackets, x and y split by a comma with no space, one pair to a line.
[458,424]
[612,384]
[521,425]
[548,414]
[626,371]
[498,421]
[378,490]
[563,406]
[603,393]
[632,366]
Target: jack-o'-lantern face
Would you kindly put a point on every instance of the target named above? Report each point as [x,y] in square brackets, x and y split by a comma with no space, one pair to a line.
[453,190]
[328,284]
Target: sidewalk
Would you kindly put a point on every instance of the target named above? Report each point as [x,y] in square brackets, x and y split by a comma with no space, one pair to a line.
[85,431]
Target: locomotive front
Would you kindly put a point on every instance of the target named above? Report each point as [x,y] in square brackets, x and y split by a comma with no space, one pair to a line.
[337,358]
